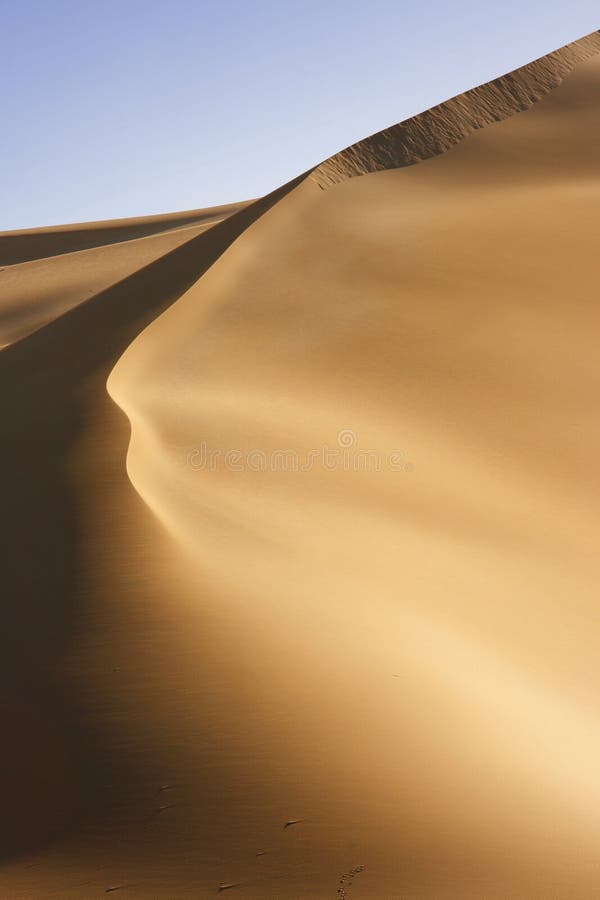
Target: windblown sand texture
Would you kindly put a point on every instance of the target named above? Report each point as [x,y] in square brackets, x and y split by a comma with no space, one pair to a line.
[233,664]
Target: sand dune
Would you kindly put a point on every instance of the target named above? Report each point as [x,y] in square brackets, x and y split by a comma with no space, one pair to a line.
[38,290]
[348,580]
[35,292]
[37,243]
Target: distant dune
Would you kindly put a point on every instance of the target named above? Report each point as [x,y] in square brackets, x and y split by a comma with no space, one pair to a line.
[53,270]
[300,517]
[36,243]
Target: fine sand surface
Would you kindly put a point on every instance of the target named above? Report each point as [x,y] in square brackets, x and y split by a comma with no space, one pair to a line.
[347,579]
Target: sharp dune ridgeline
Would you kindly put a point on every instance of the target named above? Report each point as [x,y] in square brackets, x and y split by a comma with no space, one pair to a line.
[438,129]
[300,505]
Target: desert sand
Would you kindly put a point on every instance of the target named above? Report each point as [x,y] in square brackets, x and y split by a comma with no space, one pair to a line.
[300,514]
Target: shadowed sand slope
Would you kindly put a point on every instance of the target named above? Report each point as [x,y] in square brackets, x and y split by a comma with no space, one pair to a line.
[341,610]
[53,403]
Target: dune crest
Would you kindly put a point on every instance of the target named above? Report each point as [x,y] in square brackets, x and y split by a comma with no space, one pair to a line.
[438,129]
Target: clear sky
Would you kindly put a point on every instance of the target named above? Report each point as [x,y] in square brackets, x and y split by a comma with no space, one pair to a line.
[130,107]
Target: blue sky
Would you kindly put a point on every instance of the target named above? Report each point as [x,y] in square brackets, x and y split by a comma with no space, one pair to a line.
[134,107]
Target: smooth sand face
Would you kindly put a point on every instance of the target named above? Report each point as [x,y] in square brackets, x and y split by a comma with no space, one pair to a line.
[396,647]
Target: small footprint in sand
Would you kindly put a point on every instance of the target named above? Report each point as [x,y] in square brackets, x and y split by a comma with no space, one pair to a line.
[167,787]
[346,881]
[159,810]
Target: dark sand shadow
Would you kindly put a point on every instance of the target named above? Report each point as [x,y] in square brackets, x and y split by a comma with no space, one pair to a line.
[48,757]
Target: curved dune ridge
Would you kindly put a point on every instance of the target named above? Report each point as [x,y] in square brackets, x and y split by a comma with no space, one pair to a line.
[333,631]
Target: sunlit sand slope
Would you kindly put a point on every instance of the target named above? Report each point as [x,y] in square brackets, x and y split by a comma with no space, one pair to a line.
[404,648]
